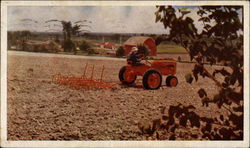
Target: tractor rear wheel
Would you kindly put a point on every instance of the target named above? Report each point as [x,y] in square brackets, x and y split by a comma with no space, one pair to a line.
[152,79]
[171,81]
[126,76]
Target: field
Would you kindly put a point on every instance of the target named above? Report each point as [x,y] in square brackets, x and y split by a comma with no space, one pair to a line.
[170,48]
[41,110]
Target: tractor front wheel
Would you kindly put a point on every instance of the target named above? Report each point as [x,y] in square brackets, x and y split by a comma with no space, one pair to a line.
[171,81]
[126,76]
[152,79]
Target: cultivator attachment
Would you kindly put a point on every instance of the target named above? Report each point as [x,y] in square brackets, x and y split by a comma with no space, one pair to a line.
[83,82]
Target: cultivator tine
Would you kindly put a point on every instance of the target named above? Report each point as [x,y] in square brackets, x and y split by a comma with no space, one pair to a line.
[102,73]
[85,69]
[93,68]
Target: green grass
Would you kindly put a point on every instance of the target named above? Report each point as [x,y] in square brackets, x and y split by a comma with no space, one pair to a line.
[99,49]
[168,48]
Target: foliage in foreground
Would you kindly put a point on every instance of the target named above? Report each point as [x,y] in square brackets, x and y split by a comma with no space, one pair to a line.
[225,45]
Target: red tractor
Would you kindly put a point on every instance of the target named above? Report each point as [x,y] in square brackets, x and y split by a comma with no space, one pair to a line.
[151,72]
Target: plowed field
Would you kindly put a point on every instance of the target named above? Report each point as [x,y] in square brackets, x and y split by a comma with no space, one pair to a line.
[41,110]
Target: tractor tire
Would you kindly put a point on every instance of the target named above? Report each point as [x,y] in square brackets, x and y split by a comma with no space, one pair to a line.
[171,81]
[122,77]
[152,79]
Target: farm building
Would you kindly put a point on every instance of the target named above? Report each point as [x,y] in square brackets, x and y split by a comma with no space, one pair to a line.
[140,40]
[108,45]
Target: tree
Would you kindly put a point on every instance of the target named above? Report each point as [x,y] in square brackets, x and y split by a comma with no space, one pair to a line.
[220,41]
[84,46]
[68,30]
[76,30]
[120,51]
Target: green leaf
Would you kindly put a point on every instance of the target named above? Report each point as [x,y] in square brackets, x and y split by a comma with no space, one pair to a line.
[190,107]
[174,128]
[226,133]
[226,123]
[204,19]
[205,101]
[237,120]
[189,78]
[164,117]
[172,19]
[201,12]
[185,43]
[208,127]
[191,27]
[156,125]
[198,69]
[183,121]
[170,10]
[172,137]
[194,119]
[238,109]
[163,110]
[157,16]
[184,11]
[202,93]
[207,26]
[171,121]
[161,8]
[221,117]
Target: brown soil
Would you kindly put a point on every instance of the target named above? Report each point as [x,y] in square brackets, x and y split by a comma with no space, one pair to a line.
[41,110]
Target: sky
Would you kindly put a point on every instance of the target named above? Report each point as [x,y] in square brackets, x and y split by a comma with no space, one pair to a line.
[107,19]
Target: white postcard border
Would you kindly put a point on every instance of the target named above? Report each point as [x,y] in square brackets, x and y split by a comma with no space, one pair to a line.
[5,143]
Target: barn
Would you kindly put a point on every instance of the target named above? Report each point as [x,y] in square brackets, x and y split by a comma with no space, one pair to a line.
[140,40]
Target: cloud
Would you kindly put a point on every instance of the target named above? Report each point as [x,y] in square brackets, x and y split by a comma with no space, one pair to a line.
[125,19]
[105,19]
[118,19]
[40,14]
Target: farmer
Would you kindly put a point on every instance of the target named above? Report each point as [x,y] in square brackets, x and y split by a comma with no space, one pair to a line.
[134,56]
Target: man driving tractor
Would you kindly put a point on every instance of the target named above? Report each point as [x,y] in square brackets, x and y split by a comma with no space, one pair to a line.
[151,71]
[134,56]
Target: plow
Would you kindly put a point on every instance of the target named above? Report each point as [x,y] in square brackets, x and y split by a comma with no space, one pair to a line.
[83,82]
